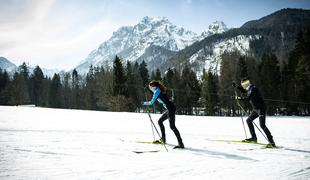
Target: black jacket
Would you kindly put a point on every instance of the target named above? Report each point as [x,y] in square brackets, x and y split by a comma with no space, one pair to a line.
[254,96]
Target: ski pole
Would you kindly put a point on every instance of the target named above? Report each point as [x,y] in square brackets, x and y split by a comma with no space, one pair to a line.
[157,131]
[260,131]
[241,108]
[151,122]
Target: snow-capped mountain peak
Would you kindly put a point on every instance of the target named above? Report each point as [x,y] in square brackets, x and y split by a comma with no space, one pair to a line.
[131,42]
[5,64]
[216,27]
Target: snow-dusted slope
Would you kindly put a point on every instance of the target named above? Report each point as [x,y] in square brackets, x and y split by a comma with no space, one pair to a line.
[42,143]
[209,57]
[5,64]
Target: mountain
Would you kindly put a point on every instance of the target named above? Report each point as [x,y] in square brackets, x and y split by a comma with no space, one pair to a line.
[11,68]
[153,39]
[280,19]
[163,45]
[216,27]
[275,33]
[5,64]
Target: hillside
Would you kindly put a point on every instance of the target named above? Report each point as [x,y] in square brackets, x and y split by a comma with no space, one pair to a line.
[275,33]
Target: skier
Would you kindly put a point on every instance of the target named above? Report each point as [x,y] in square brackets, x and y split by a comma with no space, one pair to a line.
[259,109]
[160,94]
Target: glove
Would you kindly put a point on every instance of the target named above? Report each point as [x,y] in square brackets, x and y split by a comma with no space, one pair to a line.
[145,103]
[234,84]
[236,97]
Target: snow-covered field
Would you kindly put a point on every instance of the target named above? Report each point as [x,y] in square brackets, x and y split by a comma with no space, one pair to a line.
[42,143]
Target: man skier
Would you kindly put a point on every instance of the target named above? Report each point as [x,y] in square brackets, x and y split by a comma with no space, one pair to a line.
[160,94]
[259,109]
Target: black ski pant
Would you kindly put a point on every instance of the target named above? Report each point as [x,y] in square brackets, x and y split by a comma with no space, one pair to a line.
[262,122]
[171,116]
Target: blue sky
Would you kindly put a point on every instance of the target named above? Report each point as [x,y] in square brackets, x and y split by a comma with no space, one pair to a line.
[61,33]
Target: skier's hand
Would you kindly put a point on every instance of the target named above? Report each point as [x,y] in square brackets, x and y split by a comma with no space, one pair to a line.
[236,97]
[234,84]
[145,103]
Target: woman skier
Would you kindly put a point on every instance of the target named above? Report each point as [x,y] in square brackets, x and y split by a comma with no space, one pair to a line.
[259,109]
[160,94]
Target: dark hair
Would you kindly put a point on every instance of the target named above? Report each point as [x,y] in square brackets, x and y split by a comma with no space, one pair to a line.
[160,85]
[244,79]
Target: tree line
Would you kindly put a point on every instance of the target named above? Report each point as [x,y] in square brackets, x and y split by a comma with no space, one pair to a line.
[122,87]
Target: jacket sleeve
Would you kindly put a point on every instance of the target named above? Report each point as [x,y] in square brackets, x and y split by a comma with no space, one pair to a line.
[154,98]
[241,89]
[161,102]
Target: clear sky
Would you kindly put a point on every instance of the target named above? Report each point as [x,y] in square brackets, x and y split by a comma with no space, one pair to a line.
[61,33]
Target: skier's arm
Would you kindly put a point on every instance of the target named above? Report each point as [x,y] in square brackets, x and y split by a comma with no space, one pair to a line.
[238,87]
[161,102]
[154,98]
[241,89]
[240,98]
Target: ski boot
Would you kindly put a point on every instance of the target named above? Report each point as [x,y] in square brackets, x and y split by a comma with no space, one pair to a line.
[271,144]
[159,141]
[180,146]
[250,140]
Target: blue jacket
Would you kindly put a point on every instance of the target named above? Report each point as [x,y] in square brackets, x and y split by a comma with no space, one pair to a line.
[155,97]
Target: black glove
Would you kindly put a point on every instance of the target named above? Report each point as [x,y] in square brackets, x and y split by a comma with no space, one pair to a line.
[236,98]
[234,84]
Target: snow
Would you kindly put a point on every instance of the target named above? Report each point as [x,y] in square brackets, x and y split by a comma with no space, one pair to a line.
[210,59]
[216,27]
[130,42]
[43,143]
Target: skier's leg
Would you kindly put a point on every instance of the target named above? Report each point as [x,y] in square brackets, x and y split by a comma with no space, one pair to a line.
[161,125]
[174,128]
[249,121]
[262,123]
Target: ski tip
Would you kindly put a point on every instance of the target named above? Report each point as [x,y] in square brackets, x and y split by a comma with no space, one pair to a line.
[268,146]
[140,152]
[242,141]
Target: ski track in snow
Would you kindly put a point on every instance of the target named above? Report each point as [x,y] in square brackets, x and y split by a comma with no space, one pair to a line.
[43,143]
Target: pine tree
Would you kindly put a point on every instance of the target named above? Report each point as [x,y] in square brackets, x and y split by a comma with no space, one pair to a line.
[76,94]
[4,84]
[242,69]
[144,73]
[270,75]
[119,78]
[18,89]
[104,87]
[156,75]
[209,93]
[90,90]
[191,90]
[67,92]
[37,86]
[130,87]
[119,101]
[24,71]
[138,95]
[168,81]
[302,71]
[55,98]
[228,75]
[303,81]
[177,90]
